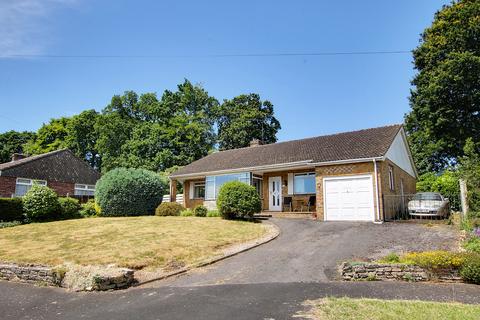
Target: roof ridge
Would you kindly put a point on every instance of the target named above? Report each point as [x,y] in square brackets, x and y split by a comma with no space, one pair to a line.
[16,163]
[315,137]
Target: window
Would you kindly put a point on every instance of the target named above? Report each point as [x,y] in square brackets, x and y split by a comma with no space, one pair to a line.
[198,190]
[257,183]
[391,181]
[213,183]
[84,190]
[304,183]
[23,185]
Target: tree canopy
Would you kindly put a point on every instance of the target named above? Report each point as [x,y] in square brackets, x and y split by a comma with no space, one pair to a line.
[244,118]
[445,98]
[12,142]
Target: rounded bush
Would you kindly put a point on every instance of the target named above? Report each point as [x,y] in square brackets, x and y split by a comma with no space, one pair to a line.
[40,203]
[238,200]
[470,271]
[129,192]
[88,209]
[69,208]
[200,211]
[169,209]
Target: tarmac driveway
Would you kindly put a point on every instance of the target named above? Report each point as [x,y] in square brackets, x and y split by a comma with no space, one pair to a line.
[309,251]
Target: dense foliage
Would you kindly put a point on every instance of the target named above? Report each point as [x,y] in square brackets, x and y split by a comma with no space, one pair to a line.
[446,183]
[11,209]
[244,118]
[200,211]
[40,203]
[470,270]
[445,99]
[69,208]
[88,209]
[129,192]
[12,142]
[238,200]
[169,209]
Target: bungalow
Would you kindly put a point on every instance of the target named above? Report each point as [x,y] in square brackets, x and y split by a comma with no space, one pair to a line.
[60,170]
[335,177]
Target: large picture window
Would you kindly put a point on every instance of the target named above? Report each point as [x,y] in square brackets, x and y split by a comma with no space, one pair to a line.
[304,183]
[213,183]
[23,185]
[84,190]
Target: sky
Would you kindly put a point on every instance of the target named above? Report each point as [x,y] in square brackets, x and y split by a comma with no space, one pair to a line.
[59,57]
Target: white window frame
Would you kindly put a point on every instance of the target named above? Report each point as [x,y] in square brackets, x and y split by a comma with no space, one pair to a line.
[391,178]
[83,187]
[28,182]
[198,184]
[303,174]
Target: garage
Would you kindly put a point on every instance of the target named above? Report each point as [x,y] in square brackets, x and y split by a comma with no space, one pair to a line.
[349,198]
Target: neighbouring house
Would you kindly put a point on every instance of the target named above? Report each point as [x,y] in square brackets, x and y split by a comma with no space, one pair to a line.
[342,176]
[60,170]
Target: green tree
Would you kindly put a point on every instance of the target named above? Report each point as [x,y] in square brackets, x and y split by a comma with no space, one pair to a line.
[50,137]
[470,171]
[82,137]
[244,118]
[445,99]
[12,142]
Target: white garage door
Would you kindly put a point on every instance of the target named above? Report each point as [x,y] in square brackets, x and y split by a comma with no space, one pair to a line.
[349,199]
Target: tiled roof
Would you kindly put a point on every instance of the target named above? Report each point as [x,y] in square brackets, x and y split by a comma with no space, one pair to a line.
[59,165]
[367,143]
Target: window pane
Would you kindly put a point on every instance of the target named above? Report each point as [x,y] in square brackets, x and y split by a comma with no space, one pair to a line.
[21,189]
[304,183]
[210,188]
[24,181]
[214,183]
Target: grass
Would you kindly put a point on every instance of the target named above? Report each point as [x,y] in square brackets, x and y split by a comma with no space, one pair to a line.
[373,309]
[134,242]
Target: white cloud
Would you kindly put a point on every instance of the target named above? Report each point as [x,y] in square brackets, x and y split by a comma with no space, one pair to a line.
[24,25]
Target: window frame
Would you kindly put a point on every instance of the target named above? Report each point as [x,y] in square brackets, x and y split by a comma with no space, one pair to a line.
[196,185]
[310,173]
[213,180]
[86,188]
[391,178]
[29,184]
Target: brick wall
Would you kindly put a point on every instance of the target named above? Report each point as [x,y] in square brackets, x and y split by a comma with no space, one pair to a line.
[340,170]
[62,188]
[7,186]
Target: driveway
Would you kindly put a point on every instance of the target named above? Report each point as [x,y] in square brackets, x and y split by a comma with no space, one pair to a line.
[309,251]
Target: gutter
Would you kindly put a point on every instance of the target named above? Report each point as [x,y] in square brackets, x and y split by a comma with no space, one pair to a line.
[377,213]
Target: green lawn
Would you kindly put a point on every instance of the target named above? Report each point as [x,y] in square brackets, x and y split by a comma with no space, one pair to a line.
[135,242]
[373,309]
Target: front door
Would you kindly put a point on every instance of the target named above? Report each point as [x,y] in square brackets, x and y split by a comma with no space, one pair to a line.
[275,193]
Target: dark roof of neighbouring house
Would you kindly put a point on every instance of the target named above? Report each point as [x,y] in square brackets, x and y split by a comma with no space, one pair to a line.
[59,165]
[367,143]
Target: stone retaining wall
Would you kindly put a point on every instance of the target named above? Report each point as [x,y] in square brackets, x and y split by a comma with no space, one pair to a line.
[97,278]
[31,273]
[379,271]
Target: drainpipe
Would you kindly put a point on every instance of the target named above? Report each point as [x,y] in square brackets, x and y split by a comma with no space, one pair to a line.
[377,217]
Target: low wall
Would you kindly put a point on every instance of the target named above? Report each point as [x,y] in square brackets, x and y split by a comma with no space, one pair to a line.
[387,272]
[97,279]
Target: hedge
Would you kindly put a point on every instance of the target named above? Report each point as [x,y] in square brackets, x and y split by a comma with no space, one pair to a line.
[129,192]
[238,200]
[11,209]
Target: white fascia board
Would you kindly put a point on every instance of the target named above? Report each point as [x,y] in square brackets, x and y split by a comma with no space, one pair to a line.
[257,168]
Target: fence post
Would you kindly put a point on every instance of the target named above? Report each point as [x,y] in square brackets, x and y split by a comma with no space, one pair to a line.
[464,197]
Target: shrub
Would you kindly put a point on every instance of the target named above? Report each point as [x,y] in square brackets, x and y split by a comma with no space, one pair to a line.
[200,211]
[434,259]
[129,192]
[169,209]
[472,244]
[391,258]
[213,213]
[11,209]
[88,208]
[10,224]
[470,271]
[40,203]
[238,200]
[69,208]
[186,213]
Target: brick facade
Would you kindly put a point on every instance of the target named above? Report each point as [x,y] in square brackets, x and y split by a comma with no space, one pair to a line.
[7,186]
